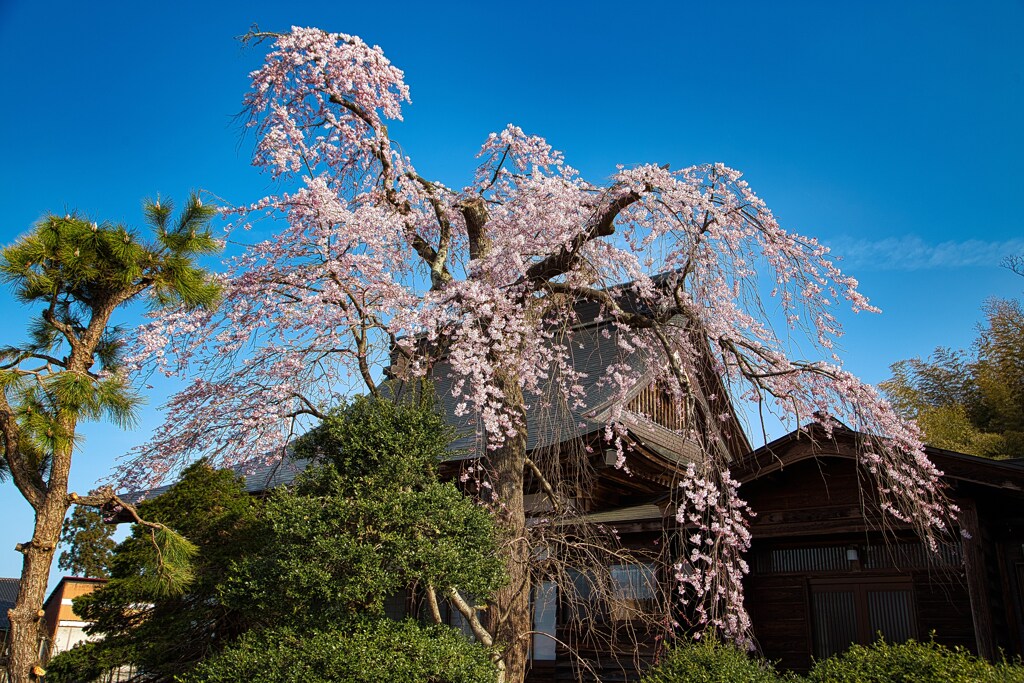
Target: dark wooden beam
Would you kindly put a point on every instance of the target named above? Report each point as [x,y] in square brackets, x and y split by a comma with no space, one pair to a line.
[977,586]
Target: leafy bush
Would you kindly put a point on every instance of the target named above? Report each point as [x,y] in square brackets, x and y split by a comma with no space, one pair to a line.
[328,557]
[87,661]
[368,519]
[711,661]
[371,651]
[911,662]
[378,443]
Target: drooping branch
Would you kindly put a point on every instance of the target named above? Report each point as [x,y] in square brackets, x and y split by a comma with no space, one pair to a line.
[545,485]
[172,550]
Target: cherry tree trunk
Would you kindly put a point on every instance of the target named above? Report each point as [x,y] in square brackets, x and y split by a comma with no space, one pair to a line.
[510,617]
[27,625]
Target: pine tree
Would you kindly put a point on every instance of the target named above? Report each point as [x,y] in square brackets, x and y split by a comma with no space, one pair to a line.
[69,370]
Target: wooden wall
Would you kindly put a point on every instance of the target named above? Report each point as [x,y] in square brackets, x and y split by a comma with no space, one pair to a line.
[808,516]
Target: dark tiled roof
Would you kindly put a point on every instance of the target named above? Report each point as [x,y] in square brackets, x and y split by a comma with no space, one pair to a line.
[259,476]
[8,595]
[843,442]
[549,419]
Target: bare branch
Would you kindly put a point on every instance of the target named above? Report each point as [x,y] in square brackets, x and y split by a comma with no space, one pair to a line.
[435,610]
[469,613]
[602,225]
[310,408]
[1014,263]
[105,498]
[544,484]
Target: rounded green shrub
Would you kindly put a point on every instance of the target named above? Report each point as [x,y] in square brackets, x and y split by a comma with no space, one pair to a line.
[911,662]
[370,651]
[710,661]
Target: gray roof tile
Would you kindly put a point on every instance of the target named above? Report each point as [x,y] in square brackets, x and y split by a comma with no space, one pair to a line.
[549,419]
[8,595]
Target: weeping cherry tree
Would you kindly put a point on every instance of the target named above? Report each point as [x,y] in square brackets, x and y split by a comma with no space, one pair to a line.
[378,266]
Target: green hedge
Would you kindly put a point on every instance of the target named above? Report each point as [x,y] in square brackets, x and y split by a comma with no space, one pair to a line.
[709,661]
[372,651]
[911,662]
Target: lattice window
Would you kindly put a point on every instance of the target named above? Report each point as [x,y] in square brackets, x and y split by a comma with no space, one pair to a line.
[654,403]
[856,611]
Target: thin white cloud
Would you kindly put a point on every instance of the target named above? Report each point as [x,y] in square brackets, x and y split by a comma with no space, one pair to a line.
[913,253]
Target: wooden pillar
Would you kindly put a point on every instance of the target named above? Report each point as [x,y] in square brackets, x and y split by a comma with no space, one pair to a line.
[977,586]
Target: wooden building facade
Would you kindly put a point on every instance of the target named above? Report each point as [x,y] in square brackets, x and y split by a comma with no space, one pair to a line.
[827,570]
[823,574]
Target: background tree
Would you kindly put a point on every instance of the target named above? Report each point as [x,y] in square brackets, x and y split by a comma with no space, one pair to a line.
[970,401]
[69,369]
[378,265]
[141,624]
[88,541]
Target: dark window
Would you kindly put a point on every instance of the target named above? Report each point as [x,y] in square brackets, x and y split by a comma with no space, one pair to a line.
[634,590]
[625,592]
[841,558]
[545,611]
[846,611]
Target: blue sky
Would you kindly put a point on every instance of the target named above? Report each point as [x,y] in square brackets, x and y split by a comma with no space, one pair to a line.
[891,131]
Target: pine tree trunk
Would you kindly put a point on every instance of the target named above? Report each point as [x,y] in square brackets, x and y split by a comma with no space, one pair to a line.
[510,617]
[27,624]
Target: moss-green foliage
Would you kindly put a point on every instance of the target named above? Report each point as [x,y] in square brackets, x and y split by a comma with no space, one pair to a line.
[327,557]
[376,443]
[369,651]
[143,624]
[711,661]
[368,521]
[911,662]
